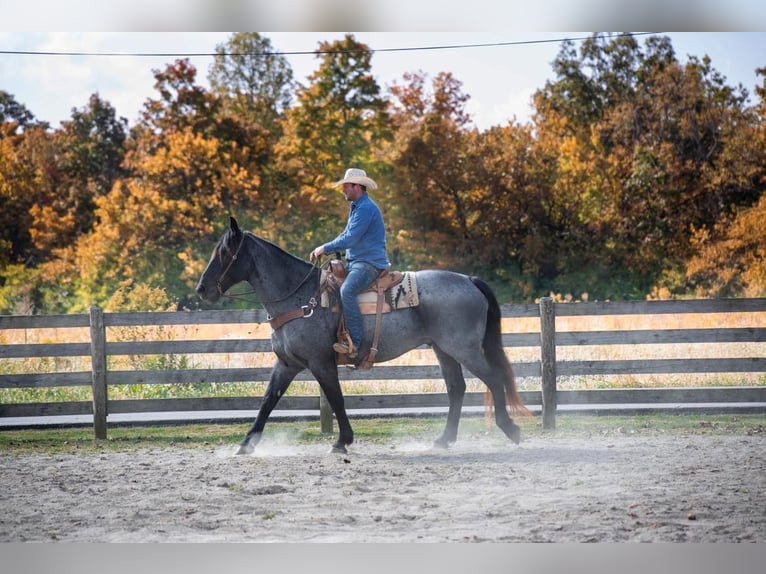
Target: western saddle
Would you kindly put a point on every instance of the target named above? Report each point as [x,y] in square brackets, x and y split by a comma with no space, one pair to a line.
[334,273]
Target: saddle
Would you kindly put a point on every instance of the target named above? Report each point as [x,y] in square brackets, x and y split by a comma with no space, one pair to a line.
[390,291]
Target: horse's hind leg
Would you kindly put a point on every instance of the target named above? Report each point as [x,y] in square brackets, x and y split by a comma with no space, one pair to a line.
[494,377]
[453,377]
[502,418]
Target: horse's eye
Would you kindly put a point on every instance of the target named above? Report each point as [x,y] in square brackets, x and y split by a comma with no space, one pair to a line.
[221,249]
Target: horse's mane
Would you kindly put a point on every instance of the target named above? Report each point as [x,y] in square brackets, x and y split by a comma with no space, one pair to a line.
[271,245]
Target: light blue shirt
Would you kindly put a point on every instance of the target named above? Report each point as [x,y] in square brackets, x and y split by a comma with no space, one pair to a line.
[364,238]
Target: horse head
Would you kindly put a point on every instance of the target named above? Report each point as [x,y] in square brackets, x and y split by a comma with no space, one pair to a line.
[225,268]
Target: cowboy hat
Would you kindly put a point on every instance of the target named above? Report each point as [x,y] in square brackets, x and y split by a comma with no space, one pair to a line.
[358,176]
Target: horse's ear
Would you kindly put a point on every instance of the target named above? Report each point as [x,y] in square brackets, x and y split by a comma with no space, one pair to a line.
[234,225]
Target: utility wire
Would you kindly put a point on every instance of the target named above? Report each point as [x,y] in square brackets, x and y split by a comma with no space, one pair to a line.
[300,53]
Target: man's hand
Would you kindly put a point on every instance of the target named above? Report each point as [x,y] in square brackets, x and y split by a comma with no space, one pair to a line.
[317,253]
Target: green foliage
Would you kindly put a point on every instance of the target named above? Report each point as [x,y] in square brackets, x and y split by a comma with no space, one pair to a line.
[253,80]
[130,297]
[13,113]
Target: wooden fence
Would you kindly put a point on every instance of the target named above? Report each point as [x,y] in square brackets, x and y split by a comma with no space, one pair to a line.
[547,368]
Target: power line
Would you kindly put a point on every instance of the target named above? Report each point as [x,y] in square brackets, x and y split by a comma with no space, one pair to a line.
[301,53]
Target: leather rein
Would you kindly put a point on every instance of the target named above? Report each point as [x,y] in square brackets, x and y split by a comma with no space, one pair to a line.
[304,311]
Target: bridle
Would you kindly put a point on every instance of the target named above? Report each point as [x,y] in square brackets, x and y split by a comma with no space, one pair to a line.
[226,269]
[304,311]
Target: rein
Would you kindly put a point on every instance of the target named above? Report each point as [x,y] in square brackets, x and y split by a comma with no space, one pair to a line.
[304,311]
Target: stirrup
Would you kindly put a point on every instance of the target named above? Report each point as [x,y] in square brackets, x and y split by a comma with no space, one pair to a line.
[343,349]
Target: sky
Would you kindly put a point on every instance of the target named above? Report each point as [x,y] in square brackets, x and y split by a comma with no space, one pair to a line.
[499,79]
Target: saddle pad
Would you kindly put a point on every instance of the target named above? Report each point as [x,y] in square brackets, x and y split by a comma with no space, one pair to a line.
[401,296]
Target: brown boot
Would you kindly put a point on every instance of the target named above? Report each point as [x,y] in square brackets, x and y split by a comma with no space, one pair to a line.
[343,349]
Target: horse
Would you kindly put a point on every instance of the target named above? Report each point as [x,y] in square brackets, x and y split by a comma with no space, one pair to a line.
[457,316]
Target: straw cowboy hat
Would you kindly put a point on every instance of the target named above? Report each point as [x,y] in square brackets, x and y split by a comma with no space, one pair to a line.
[354,175]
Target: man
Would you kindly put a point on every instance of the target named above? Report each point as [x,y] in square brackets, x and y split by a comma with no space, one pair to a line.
[364,240]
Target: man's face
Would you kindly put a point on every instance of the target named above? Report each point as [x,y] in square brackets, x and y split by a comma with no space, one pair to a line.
[352,191]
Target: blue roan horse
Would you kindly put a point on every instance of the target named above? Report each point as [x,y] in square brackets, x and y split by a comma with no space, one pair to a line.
[458,316]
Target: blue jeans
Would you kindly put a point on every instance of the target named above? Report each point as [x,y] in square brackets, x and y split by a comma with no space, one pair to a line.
[360,275]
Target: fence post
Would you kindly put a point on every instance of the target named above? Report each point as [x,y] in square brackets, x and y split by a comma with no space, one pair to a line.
[98,370]
[325,412]
[548,360]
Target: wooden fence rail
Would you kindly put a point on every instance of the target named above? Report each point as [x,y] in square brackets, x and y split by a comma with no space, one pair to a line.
[99,348]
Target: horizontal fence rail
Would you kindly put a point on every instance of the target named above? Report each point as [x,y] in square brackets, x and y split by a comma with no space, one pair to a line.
[99,349]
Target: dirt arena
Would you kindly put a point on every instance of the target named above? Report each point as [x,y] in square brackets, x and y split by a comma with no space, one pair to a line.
[613,488]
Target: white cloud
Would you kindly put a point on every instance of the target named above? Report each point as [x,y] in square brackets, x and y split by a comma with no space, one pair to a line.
[517,106]
[50,86]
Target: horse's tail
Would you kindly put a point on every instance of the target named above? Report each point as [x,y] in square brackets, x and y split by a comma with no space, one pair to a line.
[495,353]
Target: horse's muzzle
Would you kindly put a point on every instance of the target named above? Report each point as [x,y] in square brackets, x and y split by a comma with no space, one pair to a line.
[208,296]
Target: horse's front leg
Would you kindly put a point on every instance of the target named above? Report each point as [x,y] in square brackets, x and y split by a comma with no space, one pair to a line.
[327,376]
[281,377]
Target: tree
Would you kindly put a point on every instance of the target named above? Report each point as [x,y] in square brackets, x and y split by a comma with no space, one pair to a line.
[254,85]
[23,145]
[189,165]
[27,173]
[338,122]
[18,183]
[430,172]
[512,179]
[186,107]
[89,151]
[154,228]
[649,151]
[253,81]
[12,112]
[182,104]
[729,258]
[48,182]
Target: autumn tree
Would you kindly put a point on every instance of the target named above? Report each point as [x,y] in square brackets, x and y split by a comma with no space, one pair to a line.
[641,139]
[24,157]
[27,169]
[89,150]
[431,177]
[156,227]
[254,84]
[48,180]
[729,258]
[511,199]
[19,181]
[190,166]
[181,103]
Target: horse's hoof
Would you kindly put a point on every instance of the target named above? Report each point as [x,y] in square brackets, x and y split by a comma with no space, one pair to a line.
[246,448]
[339,449]
[441,444]
[515,434]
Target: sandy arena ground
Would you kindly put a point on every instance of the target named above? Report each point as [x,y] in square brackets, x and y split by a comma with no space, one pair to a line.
[608,488]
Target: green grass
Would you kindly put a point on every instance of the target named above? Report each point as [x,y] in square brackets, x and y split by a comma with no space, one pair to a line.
[380,430]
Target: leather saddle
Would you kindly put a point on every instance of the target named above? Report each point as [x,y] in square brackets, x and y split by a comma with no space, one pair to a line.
[371,300]
[334,273]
